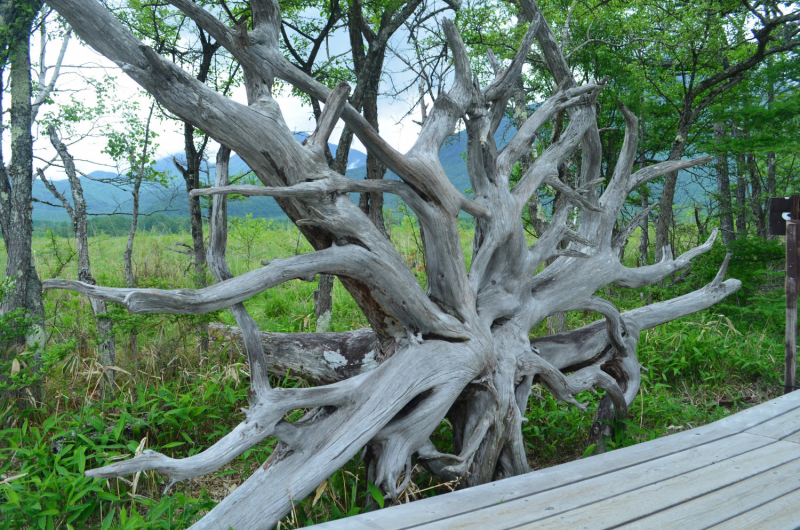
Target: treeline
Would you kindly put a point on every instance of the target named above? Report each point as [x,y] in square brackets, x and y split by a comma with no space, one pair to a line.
[115,225]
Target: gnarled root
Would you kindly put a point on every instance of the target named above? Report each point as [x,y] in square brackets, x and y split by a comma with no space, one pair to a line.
[397,406]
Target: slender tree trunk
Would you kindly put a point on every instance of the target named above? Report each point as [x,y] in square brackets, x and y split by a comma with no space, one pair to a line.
[771,183]
[106,347]
[16,182]
[724,190]
[741,190]
[130,280]
[372,203]
[191,176]
[644,194]
[668,191]
[644,238]
[757,197]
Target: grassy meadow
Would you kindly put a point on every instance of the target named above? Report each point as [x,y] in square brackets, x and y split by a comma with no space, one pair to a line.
[176,397]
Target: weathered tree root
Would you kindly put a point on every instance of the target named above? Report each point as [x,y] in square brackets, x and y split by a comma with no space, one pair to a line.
[459,349]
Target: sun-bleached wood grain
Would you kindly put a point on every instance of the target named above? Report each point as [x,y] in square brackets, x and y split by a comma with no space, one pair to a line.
[457,349]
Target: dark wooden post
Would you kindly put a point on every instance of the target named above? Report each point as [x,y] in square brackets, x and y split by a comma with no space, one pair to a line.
[792,234]
[791,305]
[784,219]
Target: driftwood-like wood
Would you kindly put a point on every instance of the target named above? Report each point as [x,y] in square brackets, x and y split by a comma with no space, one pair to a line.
[736,473]
[460,348]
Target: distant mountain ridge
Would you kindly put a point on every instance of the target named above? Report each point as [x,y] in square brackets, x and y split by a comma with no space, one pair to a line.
[103,198]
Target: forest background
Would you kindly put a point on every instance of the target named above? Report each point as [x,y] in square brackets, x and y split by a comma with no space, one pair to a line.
[64,413]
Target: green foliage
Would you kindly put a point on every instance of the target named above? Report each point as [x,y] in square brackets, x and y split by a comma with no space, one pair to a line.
[23,366]
[247,233]
[179,400]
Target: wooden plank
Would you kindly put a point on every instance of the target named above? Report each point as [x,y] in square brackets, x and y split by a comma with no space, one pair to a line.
[779,427]
[472,499]
[562,500]
[721,504]
[780,514]
[665,494]
[795,438]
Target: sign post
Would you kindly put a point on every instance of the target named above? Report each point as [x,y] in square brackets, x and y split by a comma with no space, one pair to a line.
[784,219]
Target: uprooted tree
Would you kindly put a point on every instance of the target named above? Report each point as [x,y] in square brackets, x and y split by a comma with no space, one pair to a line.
[459,349]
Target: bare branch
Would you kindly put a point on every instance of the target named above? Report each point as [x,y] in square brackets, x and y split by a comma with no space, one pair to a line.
[208,22]
[522,140]
[634,223]
[650,274]
[662,168]
[503,84]
[614,196]
[45,92]
[330,116]
[218,227]
[615,326]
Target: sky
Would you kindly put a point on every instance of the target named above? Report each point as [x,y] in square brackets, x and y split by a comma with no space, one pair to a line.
[82,62]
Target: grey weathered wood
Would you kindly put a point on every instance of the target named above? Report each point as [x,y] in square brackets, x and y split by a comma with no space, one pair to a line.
[573,474]
[641,502]
[780,514]
[320,358]
[795,438]
[724,503]
[458,348]
[217,246]
[609,487]
[778,427]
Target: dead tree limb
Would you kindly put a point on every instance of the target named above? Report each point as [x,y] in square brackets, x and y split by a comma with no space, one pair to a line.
[458,348]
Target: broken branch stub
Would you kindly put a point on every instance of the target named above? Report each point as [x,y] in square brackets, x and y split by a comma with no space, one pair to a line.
[457,349]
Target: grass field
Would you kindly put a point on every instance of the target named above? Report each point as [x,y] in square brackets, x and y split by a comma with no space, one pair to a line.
[176,398]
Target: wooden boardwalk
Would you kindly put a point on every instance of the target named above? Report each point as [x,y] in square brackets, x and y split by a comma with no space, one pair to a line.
[740,472]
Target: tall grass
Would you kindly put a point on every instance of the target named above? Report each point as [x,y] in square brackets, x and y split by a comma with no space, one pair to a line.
[178,398]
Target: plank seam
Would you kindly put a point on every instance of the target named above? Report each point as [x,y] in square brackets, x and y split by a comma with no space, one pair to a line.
[754,508]
[548,516]
[703,494]
[606,472]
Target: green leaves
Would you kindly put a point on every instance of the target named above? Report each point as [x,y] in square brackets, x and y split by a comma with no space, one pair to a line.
[376,494]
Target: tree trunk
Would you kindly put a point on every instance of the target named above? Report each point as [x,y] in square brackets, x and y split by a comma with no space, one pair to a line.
[191,176]
[16,182]
[127,256]
[724,190]
[667,200]
[323,302]
[130,279]
[106,349]
[741,190]
[757,197]
[644,193]
[644,238]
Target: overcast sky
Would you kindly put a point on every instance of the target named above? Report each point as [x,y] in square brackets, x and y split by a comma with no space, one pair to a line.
[83,62]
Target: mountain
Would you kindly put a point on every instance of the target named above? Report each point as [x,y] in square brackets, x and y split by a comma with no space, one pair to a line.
[103,198]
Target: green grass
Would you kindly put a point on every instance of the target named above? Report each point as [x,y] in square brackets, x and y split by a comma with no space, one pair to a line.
[701,368]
